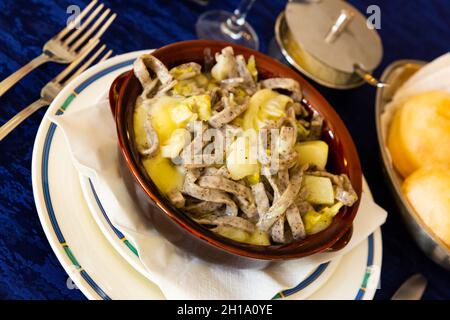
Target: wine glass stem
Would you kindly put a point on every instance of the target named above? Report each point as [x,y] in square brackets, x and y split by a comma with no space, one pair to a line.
[237,20]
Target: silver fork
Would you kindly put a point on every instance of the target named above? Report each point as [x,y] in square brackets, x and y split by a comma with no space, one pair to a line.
[52,88]
[68,44]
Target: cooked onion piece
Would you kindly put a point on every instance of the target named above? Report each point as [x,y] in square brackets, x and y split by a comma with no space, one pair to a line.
[186,71]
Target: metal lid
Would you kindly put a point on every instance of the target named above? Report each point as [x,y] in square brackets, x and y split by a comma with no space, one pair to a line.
[335,33]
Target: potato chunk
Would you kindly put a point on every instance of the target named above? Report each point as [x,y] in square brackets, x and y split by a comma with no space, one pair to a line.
[312,152]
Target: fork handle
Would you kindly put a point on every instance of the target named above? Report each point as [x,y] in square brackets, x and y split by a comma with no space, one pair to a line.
[20,117]
[7,83]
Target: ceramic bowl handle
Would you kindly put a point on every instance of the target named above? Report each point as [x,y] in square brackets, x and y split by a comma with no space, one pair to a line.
[114,91]
[343,241]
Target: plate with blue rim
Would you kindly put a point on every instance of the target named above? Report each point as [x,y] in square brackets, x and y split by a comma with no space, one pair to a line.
[101,262]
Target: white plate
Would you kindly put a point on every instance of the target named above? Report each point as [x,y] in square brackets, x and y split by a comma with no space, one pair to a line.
[307,285]
[107,268]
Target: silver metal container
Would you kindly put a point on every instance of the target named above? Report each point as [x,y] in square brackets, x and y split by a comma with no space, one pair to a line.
[396,75]
[330,42]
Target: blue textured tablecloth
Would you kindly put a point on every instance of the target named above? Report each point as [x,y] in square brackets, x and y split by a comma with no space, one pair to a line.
[418,29]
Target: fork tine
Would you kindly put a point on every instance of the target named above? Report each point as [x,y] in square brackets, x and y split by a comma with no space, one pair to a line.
[76,62]
[75,34]
[106,56]
[85,65]
[104,27]
[89,62]
[88,33]
[98,34]
[70,26]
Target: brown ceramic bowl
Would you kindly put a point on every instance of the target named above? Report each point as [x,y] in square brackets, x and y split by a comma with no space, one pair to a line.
[176,225]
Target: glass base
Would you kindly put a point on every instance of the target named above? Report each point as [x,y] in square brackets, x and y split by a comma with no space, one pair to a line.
[213,25]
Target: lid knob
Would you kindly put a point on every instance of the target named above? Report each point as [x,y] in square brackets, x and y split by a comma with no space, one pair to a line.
[341,23]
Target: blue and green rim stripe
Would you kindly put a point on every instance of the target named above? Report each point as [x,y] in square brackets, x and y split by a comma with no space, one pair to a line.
[305,283]
[119,234]
[302,285]
[370,255]
[54,222]
[45,185]
[45,180]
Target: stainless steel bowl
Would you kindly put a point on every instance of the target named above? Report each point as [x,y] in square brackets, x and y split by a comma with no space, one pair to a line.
[396,74]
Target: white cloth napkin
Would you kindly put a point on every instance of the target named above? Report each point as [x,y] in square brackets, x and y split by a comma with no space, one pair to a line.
[433,76]
[91,135]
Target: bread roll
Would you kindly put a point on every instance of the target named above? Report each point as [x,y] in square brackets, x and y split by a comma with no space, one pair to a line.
[420,132]
[428,191]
